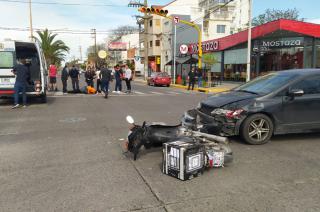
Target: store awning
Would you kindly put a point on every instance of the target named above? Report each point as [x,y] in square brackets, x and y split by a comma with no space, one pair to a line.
[178,61]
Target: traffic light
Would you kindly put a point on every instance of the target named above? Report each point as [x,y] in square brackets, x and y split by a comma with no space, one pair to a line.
[153,10]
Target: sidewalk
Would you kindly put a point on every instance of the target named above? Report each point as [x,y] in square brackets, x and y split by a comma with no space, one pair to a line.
[217,89]
[225,86]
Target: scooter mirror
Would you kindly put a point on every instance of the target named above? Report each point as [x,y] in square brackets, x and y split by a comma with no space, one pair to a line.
[130,120]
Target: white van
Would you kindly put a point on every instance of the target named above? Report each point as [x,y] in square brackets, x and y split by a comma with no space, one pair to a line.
[10,52]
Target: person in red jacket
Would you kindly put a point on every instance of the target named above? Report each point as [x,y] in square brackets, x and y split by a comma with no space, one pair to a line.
[53,78]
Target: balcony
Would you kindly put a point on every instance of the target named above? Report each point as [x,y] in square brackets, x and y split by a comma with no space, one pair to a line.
[213,4]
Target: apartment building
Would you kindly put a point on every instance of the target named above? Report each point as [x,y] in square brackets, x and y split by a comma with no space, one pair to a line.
[222,17]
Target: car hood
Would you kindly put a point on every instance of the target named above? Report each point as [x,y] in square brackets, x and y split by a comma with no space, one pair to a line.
[225,98]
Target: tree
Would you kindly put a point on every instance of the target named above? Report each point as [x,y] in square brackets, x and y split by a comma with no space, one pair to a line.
[273,14]
[121,31]
[54,50]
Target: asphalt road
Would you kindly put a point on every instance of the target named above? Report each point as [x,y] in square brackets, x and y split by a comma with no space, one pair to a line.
[66,155]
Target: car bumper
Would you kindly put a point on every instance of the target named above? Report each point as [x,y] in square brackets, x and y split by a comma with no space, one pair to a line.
[197,120]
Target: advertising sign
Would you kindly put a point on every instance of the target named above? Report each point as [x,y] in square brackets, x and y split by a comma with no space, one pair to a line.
[184,49]
[117,46]
[207,46]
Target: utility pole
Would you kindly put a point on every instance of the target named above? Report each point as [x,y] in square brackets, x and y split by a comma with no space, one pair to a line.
[174,54]
[80,49]
[30,20]
[94,33]
[249,42]
[146,52]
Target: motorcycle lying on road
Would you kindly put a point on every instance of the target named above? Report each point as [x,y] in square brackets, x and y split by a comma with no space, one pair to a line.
[156,134]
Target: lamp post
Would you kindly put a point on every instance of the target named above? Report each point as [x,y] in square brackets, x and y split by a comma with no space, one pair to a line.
[249,42]
[30,20]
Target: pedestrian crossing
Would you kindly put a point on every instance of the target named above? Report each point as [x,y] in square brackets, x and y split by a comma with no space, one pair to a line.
[133,93]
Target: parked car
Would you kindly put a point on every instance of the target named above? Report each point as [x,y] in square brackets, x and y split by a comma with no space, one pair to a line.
[159,79]
[278,103]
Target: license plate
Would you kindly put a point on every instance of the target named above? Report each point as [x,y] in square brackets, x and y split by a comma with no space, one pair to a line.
[6,81]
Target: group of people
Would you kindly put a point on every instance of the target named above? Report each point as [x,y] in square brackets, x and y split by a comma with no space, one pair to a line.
[101,75]
[192,76]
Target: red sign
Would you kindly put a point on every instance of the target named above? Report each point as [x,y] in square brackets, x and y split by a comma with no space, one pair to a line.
[176,20]
[117,46]
[207,46]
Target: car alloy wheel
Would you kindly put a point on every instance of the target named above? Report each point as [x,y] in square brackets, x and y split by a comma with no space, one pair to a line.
[257,129]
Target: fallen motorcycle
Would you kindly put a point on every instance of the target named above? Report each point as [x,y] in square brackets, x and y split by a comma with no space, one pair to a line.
[157,134]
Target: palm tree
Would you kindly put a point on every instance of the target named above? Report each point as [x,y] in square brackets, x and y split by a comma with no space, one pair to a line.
[54,50]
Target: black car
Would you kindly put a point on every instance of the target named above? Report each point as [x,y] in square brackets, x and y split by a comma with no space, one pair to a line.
[278,103]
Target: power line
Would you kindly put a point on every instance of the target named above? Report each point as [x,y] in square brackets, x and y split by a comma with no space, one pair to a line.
[66,4]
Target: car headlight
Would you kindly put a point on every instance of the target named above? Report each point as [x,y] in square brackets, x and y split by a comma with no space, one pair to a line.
[230,114]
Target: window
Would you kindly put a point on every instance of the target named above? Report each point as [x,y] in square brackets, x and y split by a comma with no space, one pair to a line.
[157,22]
[221,28]
[150,44]
[150,23]
[6,59]
[310,85]
[157,42]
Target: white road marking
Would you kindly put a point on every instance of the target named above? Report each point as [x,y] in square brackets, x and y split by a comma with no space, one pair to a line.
[153,92]
[137,92]
[171,92]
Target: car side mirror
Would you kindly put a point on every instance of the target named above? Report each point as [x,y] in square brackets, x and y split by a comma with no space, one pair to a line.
[296,93]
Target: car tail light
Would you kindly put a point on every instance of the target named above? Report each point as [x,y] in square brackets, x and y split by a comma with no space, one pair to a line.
[233,113]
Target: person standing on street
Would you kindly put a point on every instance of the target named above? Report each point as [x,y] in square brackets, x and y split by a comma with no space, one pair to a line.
[89,75]
[199,73]
[118,77]
[98,80]
[22,77]
[64,78]
[105,76]
[74,74]
[53,78]
[192,78]
[128,78]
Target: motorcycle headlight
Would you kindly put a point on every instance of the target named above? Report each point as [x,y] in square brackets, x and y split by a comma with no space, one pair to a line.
[199,105]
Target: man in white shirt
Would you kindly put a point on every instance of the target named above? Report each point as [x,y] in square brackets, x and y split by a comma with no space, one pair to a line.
[128,78]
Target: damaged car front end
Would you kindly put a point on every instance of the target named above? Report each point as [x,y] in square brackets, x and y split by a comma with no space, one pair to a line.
[218,121]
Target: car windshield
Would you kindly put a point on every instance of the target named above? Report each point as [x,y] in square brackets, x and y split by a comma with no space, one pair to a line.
[267,84]
[6,59]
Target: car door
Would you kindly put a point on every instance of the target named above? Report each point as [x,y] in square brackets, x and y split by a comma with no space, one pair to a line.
[302,113]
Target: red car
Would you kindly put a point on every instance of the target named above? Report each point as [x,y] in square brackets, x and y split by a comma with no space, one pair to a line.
[159,78]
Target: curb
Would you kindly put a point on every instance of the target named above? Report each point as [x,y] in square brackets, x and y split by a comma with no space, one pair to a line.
[204,90]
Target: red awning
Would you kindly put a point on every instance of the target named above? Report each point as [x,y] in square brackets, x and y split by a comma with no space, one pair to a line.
[299,27]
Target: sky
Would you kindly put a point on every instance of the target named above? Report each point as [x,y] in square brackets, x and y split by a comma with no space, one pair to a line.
[114,13]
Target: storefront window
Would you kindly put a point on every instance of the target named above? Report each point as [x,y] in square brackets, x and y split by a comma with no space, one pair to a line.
[318,53]
[281,59]
[308,54]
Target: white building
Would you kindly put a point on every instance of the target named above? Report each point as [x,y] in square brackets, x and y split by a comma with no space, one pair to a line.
[221,18]
[132,41]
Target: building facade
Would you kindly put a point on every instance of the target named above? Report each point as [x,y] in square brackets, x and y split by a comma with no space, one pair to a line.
[278,45]
[222,18]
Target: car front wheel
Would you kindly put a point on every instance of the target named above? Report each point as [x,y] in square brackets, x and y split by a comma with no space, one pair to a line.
[257,129]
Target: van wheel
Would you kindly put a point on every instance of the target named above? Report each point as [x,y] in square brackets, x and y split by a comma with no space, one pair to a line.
[257,129]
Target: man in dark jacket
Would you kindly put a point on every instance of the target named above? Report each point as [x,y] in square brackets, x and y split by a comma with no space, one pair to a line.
[22,77]
[118,76]
[64,78]
[74,74]
[105,76]
[192,78]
